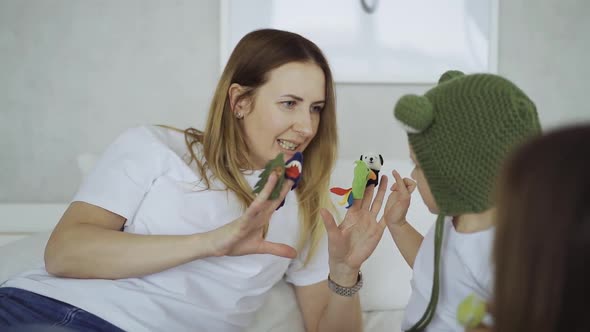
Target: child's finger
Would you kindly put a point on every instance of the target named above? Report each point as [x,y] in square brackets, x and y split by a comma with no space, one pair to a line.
[410,184]
[398,180]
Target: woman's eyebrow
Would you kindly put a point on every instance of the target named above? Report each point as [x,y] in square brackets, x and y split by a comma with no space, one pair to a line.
[301,99]
[293,96]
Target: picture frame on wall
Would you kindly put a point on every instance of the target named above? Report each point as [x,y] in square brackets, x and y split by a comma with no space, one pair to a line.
[377,41]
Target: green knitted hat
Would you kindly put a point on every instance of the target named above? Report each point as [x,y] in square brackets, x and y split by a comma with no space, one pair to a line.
[461,130]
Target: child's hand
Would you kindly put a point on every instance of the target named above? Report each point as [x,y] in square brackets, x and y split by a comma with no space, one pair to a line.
[398,201]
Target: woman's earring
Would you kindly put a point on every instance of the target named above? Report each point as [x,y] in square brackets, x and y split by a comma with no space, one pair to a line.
[239,115]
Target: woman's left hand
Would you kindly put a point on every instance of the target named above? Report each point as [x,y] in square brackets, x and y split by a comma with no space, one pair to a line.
[355,239]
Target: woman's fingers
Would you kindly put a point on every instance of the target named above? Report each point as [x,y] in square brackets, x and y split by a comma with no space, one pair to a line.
[262,204]
[368,197]
[277,249]
[378,202]
[268,187]
[287,185]
[259,202]
[329,221]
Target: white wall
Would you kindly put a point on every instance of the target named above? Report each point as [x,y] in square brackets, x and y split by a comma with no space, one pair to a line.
[73,74]
[545,47]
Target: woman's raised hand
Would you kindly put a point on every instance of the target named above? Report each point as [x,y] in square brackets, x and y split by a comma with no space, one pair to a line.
[244,235]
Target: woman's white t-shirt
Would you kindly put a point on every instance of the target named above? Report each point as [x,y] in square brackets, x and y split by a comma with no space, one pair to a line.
[465,268]
[144,177]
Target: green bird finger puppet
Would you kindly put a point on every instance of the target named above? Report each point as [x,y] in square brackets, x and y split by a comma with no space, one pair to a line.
[366,172]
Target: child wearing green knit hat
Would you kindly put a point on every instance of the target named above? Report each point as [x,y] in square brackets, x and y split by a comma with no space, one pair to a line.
[459,132]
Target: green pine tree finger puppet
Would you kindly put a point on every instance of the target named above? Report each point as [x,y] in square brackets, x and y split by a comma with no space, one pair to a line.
[292,170]
[276,165]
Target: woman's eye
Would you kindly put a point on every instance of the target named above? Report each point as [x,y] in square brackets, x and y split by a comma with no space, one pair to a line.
[317,108]
[289,104]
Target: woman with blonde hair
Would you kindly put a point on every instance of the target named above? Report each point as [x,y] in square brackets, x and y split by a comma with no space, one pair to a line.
[166,234]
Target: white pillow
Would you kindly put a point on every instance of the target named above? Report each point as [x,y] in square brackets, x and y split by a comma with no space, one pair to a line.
[22,255]
[387,275]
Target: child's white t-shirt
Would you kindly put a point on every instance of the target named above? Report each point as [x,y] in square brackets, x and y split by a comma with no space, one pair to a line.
[465,268]
[143,176]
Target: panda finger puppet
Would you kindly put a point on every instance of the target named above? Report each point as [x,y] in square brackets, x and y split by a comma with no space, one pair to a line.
[374,161]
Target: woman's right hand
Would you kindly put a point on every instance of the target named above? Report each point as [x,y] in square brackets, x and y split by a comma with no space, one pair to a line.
[244,235]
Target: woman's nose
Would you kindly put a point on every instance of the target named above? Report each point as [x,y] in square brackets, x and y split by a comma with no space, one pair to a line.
[304,126]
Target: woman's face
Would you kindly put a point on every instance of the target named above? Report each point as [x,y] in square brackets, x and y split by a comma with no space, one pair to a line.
[285,114]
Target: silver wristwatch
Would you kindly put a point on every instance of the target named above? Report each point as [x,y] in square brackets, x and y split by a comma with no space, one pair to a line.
[346,291]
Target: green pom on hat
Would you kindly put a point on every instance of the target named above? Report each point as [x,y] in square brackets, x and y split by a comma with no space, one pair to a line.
[449,75]
[414,112]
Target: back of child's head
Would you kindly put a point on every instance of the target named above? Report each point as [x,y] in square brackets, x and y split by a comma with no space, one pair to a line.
[460,132]
[542,243]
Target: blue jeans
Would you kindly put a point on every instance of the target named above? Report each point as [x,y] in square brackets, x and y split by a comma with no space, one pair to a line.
[27,311]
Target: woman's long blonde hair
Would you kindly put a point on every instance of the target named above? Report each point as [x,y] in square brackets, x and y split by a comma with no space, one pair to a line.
[225,152]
